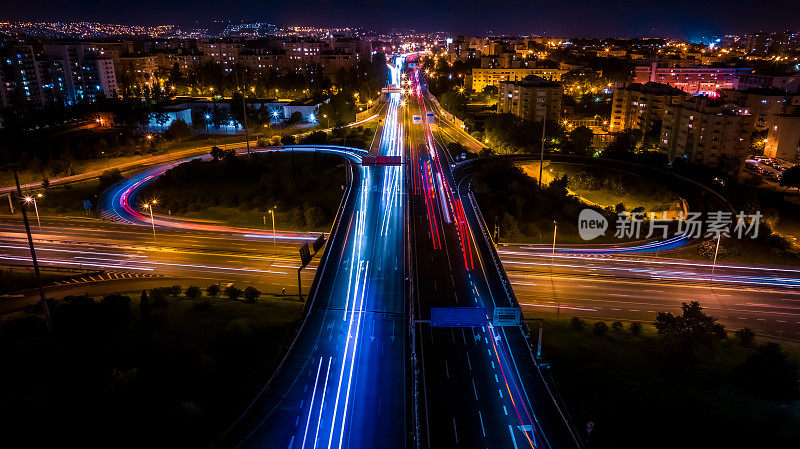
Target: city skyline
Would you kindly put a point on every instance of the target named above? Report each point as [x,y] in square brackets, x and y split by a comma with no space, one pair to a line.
[612,19]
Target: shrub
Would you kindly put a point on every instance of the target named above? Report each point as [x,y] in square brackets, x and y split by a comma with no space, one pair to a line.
[287,140]
[175,290]
[213,290]
[616,326]
[233,293]
[577,323]
[251,294]
[635,328]
[746,336]
[193,292]
[600,328]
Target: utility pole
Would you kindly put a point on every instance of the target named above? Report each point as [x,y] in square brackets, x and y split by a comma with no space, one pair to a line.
[541,158]
[45,306]
[244,116]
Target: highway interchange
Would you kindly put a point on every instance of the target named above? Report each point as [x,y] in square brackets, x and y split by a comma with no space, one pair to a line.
[352,377]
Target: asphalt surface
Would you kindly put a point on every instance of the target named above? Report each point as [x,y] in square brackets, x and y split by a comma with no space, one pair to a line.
[125,251]
[479,386]
[343,382]
[634,288]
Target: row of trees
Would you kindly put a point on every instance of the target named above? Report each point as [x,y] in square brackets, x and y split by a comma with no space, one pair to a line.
[693,337]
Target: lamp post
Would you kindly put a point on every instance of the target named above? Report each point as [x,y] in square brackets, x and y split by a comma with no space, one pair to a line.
[272,213]
[541,158]
[29,199]
[106,157]
[555,230]
[45,306]
[149,207]
[327,121]
[716,250]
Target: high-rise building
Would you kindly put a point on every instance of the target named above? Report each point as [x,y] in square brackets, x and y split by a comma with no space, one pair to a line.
[531,98]
[642,106]
[783,138]
[761,104]
[707,132]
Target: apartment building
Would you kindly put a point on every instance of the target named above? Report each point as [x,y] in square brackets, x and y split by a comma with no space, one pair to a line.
[707,132]
[642,106]
[783,138]
[56,74]
[482,77]
[531,98]
[762,104]
[138,69]
[692,80]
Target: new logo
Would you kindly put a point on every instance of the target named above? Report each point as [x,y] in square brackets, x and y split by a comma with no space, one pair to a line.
[591,224]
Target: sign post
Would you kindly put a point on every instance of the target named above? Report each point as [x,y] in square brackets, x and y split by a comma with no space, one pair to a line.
[305,258]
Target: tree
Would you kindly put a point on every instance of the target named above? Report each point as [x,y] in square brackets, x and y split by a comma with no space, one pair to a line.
[144,308]
[251,294]
[287,140]
[616,326]
[161,119]
[577,323]
[175,290]
[791,177]
[216,153]
[193,292]
[624,144]
[177,130]
[600,328]
[233,293]
[691,335]
[295,118]
[746,336]
[579,141]
[213,290]
[636,328]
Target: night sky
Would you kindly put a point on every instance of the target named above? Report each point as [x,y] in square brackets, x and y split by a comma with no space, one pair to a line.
[674,18]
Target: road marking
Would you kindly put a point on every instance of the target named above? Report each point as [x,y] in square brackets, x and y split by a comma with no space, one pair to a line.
[474,389]
[513,440]
[505,410]
[483,430]
[455,431]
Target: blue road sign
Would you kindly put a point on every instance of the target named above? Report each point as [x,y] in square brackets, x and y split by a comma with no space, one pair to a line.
[458,317]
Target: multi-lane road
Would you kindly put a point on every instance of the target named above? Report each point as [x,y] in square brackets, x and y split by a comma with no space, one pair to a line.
[343,383]
[407,239]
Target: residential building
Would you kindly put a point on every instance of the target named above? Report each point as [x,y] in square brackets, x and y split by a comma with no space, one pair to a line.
[783,138]
[761,104]
[138,69]
[482,77]
[531,98]
[708,132]
[642,106]
[692,80]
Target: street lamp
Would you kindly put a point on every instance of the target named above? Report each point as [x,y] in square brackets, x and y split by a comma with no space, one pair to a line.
[327,122]
[149,207]
[29,199]
[106,157]
[555,230]
[272,213]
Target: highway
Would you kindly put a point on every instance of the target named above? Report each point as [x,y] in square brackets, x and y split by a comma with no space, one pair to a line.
[343,381]
[479,386]
[633,288]
[126,251]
